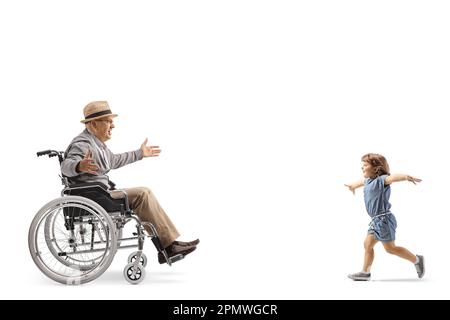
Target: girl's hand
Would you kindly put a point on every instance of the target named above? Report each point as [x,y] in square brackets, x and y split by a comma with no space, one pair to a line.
[412,179]
[350,187]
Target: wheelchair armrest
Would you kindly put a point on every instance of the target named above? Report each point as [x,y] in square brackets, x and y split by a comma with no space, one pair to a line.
[120,194]
[85,185]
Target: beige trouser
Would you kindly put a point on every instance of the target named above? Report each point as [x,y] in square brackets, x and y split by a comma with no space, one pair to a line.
[145,205]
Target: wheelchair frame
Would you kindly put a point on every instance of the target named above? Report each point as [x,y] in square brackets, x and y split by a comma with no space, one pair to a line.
[82,230]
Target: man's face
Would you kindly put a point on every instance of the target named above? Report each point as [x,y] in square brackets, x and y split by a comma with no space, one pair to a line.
[103,128]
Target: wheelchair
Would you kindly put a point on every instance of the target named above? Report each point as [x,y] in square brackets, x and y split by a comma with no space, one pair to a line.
[73,239]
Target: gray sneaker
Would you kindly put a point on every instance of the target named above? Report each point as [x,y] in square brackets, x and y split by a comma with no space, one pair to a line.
[420,266]
[360,276]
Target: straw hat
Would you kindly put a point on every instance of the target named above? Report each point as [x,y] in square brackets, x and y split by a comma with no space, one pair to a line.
[96,110]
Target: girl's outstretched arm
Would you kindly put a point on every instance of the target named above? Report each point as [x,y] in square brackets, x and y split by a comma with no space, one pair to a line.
[400,177]
[355,185]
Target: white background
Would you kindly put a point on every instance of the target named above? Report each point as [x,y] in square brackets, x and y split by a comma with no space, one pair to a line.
[263,110]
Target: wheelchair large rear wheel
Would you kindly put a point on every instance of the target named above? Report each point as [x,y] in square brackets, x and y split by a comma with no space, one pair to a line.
[72,240]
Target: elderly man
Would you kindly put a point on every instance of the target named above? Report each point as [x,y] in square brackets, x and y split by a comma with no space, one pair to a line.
[87,159]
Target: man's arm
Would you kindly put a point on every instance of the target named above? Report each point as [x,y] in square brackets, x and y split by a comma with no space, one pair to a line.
[355,185]
[78,160]
[73,156]
[400,177]
[122,159]
[119,160]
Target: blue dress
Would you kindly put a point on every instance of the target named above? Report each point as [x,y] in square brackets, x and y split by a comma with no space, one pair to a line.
[376,199]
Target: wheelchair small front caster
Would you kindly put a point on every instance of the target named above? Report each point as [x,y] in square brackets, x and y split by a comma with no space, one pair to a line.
[132,258]
[134,274]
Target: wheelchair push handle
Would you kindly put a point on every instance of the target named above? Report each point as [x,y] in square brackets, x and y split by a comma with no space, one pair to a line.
[43,153]
[52,153]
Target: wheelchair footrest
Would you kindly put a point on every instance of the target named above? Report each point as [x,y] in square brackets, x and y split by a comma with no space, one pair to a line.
[176,258]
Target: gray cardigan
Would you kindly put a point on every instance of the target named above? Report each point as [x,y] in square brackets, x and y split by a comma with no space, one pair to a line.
[104,158]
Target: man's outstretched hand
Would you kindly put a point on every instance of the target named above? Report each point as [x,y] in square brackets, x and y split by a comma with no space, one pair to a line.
[87,164]
[150,151]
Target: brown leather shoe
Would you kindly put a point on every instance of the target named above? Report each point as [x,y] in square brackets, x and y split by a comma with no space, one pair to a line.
[187,244]
[173,250]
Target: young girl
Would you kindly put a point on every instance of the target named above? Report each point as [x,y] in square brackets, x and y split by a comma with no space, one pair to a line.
[377,190]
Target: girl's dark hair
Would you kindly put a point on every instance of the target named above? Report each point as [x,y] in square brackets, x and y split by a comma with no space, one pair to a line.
[378,162]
